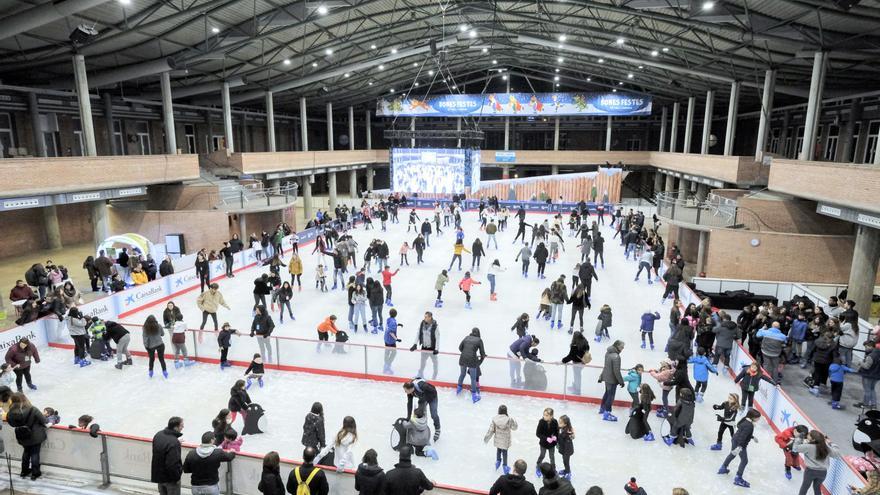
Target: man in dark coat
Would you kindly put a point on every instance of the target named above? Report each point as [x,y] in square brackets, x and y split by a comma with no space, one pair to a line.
[514,483]
[406,479]
[204,463]
[166,466]
[317,482]
[472,356]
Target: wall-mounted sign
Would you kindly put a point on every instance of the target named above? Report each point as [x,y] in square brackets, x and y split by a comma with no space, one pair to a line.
[505,156]
[515,104]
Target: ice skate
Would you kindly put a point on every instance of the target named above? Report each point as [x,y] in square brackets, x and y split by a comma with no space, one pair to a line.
[699,397]
[559,324]
[260,381]
[788,475]
[388,303]
[83,363]
[248,384]
[475,397]
[188,362]
[738,481]
[643,345]
[178,364]
[467,305]
[668,440]
[723,470]
[493,297]
[437,303]
[150,373]
[538,472]
[165,374]
[432,453]
[609,417]
[649,437]
[570,330]
[506,470]
[497,465]
[458,390]
[715,446]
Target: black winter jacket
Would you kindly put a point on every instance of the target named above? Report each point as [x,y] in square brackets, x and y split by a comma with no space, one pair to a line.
[204,466]
[313,431]
[512,484]
[547,430]
[238,400]
[271,483]
[31,418]
[369,480]
[406,479]
[165,466]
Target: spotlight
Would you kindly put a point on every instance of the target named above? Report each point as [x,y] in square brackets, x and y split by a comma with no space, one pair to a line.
[629,76]
[381,67]
[601,60]
[560,60]
[347,74]
[472,34]
[416,84]
[665,49]
[485,50]
[556,78]
[504,77]
[391,90]
[708,5]
[322,10]
[589,79]
[654,53]
[82,33]
[557,70]
[494,62]
[562,38]
[314,64]
[372,47]
[462,27]
[394,50]
[286,61]
[328,52]
[215,30]
[620,41]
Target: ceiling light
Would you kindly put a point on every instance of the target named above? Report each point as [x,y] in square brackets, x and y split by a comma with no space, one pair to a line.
[370,83]
[314,64]
[560,60]
[556,78]
[562,38]
[641,67]
[665,49]
[629,76]
[322,10]
[215,30]
[125,2]
[372,47]
[614,90]
[557,70]
[416,85]
[415,64]
[620,83]
[504,77]
[557,85]
[494,61]
[381,67]
[347,74]
[620,41]
[654,53]
[485,50]
[286,61]
[391,90]
[601,60]
[394,50]
[589,79]
[472,34]
[559,46]
[462,27]
[430,72]
[708,5]
[328,51]
[454,87]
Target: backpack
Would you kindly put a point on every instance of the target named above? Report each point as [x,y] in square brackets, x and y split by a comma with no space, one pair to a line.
[302,487]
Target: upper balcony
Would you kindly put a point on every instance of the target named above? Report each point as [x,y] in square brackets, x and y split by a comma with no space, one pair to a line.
[298,161]
[844,184]
[41,176]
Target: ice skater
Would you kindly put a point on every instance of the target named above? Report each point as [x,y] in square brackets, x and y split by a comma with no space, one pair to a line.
[391,339]
[224,342]
[387,275]
[494,269]
[418,434]
[442,280]
[565,444]
[427,340]
[457,249]
[500,431]
[465,286]
[239,400]
[413,216]
[786,439]
[681,419]
[427,397]
[526,254]
[255,371]
[548,435]
[745,431]
[726,419]
[702,367]
[647,327]
[604,323]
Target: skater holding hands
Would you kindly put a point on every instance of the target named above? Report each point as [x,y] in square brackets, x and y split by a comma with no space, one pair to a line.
[727,418]
[745,430]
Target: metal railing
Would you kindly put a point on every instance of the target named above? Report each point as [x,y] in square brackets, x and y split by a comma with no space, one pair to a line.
[709,213]
[243,195]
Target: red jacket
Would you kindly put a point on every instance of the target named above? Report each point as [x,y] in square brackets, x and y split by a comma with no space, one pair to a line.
[21,293]
[386,276]
[466,284]
[22,357]
[784,437]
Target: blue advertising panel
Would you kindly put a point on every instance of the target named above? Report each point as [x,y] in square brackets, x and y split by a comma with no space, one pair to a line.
[514,104]
[505,156]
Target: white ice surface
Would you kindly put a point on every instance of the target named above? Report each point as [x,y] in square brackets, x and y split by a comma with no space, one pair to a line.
[131,403]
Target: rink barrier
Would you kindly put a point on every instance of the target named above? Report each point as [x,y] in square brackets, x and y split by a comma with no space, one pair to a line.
[307,359]
[116,456]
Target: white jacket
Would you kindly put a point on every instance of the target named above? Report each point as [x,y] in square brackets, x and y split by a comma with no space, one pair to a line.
[344,456]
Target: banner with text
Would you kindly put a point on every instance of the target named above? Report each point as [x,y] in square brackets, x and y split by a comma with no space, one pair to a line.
[515,104]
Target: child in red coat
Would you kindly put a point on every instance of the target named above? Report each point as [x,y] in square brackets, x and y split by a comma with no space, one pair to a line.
[785,439]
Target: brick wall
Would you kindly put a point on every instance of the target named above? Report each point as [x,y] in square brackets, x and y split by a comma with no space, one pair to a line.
[182,197]
[850,185]
[23,230]
[207,229]
[780,257]
[795,216]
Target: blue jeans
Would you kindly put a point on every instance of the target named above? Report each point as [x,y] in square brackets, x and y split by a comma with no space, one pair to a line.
[206,490]
[377,314]
[556,311]
[630,248]
[515,369]
[360,310]
[608,397]
[868,385]
[491,278]
[743,459]
[432,406]
[490,240]
[427,239]
[470,371]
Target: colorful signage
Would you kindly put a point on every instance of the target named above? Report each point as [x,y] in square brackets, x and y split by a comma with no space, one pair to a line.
[515,104]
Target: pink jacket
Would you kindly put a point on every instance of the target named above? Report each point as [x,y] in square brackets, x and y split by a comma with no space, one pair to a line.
[233,445]
[466,284]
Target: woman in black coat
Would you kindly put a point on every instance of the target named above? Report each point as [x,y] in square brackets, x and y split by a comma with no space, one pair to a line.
[30,432]
[239,400]
[203,271]
[370,478]
[576,351]
[171,315]
[541,255]
[271,482]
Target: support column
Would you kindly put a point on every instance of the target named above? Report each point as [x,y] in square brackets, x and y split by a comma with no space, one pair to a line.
[307,196]
[36,130]
[270,122]
[608,135]
[370,173]
[707,122]
[556,134]
[863,273]
[684,188]
[701,252]
[658,181]
[330,126]
[766,109]
[505,171]
[702,192]
[369,134]
[507,123]
[732,108]
[245,144]
[353,184]
[303,124]
[673,134]
[108,118]
[458,128]
[670,183]
[689,124]
[168,114]
[783,135]
[645,180]
[331,189]
[662,130]
[227,118]
[85,106]
[554,169]
[242,226]
[412,128]
[845,151]
[351,128]
[53,229]
[814,104]
[100,221]
[209,123]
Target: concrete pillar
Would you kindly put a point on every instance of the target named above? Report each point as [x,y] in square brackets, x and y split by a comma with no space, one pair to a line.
[331,189]
[270,122]
[505,171]
[330,126]
[227,117]
[108,119]
[303,124]
[608,135]
[783,135]
[556,134]
[658,181]
[100,221]
[242,226]
[766,110]
[307,197]
[814,104]
[701,251]
[876,152]
[645,180]
[34,112]
[670,183]
[707,122]
[863,273]
[370,173]
[369,133]
[689,124]
[245,144]
[458,128]
[554,169]
[684,188]
[412,128]
[673,132]
[662,130]
[168,114]
[352,184]
[507,123]
[732,109]
[351,128]
[845,151]
[702,192]
[85,105]
[53,229]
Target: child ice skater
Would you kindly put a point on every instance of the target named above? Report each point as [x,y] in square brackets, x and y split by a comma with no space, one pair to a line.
[320,278]
[727,419]
[544,305]
[224,341]
[749,380]
[633,381]
[745,430]
[566,445]
[239,400]
[418,434]
[702,367]
[231,441]
[178,343]
[836,374]
[664,377]
[500,429]
[255,371]
[647,327]
[548,434]
[441,281]
[391,340]
[681,420]
[465,286]
[604,323]
[785,439]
